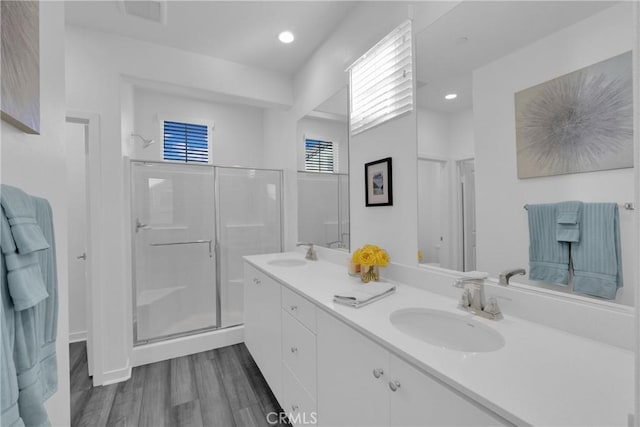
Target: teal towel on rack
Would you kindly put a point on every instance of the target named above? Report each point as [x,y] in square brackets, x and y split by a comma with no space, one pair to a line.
[548,258]
[597,258]
[568,226]
[22,238]
[29,313]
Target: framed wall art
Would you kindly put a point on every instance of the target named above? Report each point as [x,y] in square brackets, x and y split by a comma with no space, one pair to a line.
[378,183]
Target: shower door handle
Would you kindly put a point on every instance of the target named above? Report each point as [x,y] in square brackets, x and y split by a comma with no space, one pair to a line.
[140,225]
[188,242]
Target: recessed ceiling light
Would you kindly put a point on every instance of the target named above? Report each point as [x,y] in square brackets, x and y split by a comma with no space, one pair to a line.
[286,37]
[451,96]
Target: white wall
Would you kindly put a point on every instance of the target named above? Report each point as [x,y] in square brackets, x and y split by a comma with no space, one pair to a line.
[235,140]
[391,227]
[502,223]
[445,135]
[36,163]
[325,130]
[96,65]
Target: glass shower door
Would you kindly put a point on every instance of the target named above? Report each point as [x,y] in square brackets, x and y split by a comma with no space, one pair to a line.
[250,223]
[174,242]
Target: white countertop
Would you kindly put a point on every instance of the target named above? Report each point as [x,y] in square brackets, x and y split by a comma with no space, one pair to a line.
[542,376]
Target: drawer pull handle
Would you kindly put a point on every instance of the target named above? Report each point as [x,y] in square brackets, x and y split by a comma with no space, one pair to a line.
[294,408]
[378,372]
[394,385]
[294,307]
[294,349]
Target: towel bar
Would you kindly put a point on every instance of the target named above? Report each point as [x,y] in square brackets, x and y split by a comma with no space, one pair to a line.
[627,205]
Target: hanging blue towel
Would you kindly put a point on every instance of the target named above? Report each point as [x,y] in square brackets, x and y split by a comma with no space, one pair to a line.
[597,258]
[568,226]
[28,286]
[548,258]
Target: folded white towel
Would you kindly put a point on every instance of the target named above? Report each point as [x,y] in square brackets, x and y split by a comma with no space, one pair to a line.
[362,294]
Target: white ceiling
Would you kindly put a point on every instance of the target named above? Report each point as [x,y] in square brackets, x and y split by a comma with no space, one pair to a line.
[493,29]
[245,32]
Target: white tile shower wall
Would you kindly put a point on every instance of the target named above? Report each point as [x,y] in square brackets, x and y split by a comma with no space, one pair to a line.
[501,220]
[37,164]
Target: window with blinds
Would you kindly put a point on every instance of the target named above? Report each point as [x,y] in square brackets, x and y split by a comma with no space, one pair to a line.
[318,156]
[381,81]
[186,142]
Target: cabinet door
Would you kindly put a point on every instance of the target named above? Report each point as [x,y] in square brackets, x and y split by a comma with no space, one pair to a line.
[348,392]
[262,327]
[420,400]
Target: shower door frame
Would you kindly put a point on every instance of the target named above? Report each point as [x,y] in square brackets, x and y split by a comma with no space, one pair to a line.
[216,246]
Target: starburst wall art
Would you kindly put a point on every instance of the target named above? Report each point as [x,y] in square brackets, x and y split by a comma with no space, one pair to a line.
[579,122]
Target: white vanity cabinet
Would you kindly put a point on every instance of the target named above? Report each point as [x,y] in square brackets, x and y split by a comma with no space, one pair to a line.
[319,367]
[361,383]
[262,325]
[350,393]
[420,400]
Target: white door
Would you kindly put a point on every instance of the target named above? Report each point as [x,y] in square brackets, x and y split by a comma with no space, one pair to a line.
[79,290]
[352,376]
[77,202]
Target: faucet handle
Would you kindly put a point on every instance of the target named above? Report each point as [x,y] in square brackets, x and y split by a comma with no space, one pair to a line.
[492,307]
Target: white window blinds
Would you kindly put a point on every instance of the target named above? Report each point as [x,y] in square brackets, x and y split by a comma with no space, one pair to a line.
[381,81]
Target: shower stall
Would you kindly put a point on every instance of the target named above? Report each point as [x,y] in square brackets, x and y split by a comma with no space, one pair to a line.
[191,225]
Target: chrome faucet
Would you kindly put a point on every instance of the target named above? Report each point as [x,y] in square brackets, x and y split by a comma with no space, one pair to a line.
[337,244]
[503,278]
[311,253]
[475,302]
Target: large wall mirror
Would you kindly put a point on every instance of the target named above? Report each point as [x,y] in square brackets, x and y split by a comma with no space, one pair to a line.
[497,83]
[323,174]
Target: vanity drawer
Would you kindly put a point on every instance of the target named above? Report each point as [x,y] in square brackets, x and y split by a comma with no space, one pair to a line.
[300,308]
[299,405]
[299,352]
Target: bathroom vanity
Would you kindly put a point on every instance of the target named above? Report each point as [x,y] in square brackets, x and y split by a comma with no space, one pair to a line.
[346,366]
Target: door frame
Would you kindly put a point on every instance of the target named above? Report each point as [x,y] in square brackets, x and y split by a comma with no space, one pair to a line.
[94,219]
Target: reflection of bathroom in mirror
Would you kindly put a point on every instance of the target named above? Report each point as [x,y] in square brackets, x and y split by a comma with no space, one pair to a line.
[471,201]
[323,174]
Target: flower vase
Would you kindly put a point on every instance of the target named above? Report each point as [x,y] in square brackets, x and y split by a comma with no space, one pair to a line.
[369,273]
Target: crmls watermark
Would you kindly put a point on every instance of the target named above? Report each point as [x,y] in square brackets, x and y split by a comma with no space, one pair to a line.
[299,418]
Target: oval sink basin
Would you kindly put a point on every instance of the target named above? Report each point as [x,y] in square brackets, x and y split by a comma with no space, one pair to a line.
[287,262]
[447,330]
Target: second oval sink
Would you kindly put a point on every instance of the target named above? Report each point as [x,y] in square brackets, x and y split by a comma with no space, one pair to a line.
[287,262]
[447,330]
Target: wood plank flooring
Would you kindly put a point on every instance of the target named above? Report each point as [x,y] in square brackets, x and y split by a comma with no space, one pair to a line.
[221,387]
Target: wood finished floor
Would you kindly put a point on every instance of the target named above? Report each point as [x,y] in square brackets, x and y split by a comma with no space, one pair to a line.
[221,387]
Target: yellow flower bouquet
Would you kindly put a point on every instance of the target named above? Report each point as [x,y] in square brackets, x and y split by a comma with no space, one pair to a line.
[367,260]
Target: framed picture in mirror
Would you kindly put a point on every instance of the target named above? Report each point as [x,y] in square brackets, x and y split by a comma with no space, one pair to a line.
[378,183]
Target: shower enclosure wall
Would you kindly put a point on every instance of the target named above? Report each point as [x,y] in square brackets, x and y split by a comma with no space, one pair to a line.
[191,226]
[323,209]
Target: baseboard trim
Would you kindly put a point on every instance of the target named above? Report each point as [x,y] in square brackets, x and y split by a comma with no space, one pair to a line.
[77,336]
[184,346]
[117,375]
